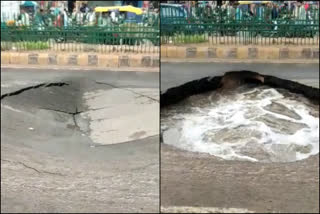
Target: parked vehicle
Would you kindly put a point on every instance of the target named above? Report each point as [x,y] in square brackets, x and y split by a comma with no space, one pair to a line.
[127,14]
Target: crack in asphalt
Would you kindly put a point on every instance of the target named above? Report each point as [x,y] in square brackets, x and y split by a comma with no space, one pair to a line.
[46,85]
[73,114]
[134,92]
[65,112]
[97,109]
[74,118]
[32,168]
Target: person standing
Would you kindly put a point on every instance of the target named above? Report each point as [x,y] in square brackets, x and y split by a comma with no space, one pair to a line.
[100,20]
[274,12]
[79,18]
[91,17]
[39,19]
[65,18]
[74,16]
[25,18]
[83,8]
[306,6]
[59,19]
[253,9]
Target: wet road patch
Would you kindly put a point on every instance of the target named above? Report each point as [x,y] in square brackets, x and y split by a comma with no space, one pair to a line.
[251,121]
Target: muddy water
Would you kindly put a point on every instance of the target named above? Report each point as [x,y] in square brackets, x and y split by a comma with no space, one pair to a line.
[252,123]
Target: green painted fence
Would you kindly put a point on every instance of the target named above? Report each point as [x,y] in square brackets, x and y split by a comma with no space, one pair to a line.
[128,37]
[234,26]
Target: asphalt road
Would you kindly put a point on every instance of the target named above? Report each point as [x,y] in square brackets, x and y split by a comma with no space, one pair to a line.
[50,163]
[193,182]
[174,74]
[73,148]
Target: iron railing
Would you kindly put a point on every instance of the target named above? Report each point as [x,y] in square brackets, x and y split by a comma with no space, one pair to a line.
[232,26]
[128,37]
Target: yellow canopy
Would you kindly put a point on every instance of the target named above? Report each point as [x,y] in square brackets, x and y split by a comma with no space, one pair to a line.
[128,8]
[254,2]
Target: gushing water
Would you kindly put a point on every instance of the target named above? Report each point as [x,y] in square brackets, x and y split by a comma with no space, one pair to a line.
[254,124]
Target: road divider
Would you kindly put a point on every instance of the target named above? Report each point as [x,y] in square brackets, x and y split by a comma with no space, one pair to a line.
[81,59]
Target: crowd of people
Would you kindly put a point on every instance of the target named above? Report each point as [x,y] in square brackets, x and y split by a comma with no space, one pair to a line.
[86,16]
[298,9]
[61,17]
[276,7]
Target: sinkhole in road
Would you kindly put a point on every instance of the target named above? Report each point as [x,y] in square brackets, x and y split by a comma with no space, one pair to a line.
[252,121]
[62,99]
[104,112]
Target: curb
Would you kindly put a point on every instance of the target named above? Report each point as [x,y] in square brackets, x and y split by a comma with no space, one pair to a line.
[8,67]
[258,61]
[81,59]
[240,53]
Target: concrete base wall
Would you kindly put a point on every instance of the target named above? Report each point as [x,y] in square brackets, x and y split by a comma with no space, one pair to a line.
[80,59]
[240,53]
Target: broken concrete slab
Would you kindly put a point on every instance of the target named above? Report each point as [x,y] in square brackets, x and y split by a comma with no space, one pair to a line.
[55,166]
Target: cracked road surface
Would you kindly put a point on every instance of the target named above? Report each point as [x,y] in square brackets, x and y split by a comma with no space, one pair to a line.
[175,74]
[69,144]
[193,182]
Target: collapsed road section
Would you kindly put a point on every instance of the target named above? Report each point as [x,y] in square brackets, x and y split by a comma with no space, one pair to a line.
[241,140]
[69,144]
[176,94]
[254,122]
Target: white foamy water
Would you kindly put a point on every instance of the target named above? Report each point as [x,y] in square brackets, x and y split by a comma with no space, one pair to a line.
[258,124]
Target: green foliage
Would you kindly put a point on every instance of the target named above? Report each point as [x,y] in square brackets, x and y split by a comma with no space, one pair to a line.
[187,39]
[28,46]
[35,45]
